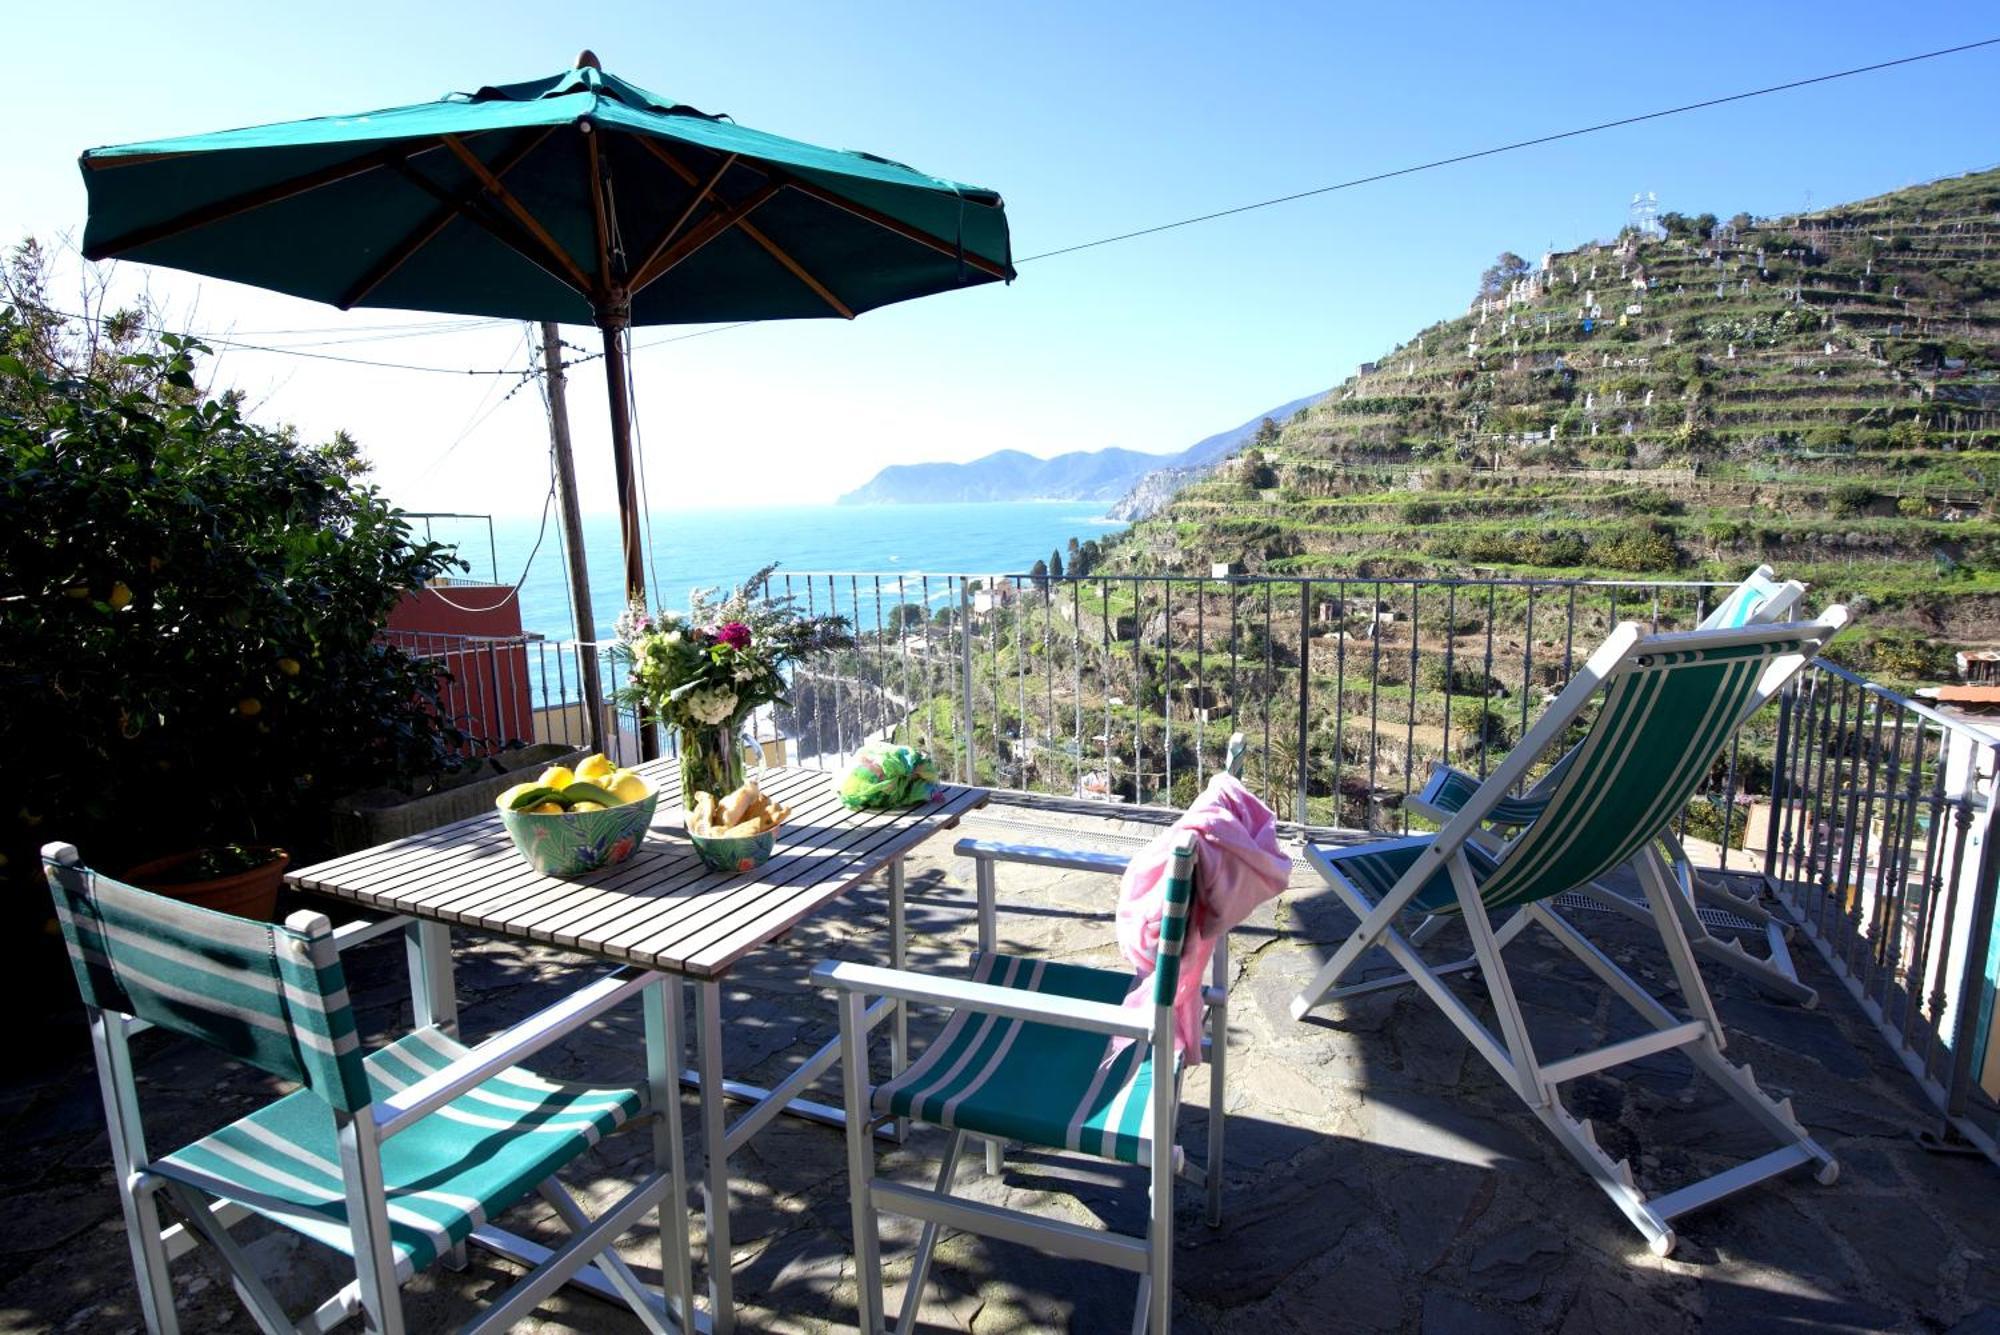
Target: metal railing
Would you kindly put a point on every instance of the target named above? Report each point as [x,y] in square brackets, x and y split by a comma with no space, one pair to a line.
[1123,688]
[1871,816]
[1887,853]
[500,690]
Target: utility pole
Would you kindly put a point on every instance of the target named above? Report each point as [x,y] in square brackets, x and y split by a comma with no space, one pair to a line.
[572,525]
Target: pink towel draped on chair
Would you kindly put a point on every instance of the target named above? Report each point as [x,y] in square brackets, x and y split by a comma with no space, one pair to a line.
[1237,867]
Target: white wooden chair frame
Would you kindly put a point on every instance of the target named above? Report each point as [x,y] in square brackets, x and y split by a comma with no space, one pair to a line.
[587,1258]
[1774,973]
[1511,1052]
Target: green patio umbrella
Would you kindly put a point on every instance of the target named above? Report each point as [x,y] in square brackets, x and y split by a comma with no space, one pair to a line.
[573,198]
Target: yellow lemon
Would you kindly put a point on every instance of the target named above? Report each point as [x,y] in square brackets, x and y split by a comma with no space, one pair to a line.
[587,806]
[627,786]
[120,596]
[506,799]
[249,706]
[289,666]
[557,776]
[548,809]
[593,769]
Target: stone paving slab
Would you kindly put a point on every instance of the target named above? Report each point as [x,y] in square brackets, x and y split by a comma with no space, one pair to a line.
[1378,1177]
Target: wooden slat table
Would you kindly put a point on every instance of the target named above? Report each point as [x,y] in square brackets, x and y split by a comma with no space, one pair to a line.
[661,909]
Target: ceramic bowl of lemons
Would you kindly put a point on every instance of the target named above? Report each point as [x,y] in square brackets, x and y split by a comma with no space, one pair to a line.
[568,822]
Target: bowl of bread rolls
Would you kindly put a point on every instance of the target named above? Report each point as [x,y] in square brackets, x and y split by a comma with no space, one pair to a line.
[736,832]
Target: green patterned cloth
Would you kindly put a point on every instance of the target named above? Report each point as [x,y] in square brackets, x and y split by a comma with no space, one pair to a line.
[886,775]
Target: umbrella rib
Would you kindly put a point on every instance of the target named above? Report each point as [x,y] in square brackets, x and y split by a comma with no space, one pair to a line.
[861,211]
[499,228]
[896,225]
[703,232]
[673,230]
[223,209]
[798,270]
[518,209]
[406,250]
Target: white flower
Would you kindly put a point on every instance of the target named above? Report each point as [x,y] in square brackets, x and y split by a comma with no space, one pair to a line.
[673,637]
[711,705]
[745,674]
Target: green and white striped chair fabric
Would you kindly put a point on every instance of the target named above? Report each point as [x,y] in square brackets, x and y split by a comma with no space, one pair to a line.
[321,1160]
[450,1173]
[1033,1083]
[1663,721]
[1759,598]
[1075,1069]
[269,996]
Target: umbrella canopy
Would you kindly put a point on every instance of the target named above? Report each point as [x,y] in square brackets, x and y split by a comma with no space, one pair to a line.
[573,198]
[557,199]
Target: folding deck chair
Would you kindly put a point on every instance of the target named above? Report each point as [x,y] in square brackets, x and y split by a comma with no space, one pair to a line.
[398,1158]
[1031,1054]
[1670,704]
[1757,600]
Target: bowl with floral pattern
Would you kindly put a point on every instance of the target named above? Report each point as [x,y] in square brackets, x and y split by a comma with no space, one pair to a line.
[570,843]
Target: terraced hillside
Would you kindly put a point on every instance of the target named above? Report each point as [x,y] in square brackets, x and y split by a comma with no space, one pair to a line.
[1820,391]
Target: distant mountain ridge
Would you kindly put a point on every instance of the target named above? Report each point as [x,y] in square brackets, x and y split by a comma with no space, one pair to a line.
[1080,475]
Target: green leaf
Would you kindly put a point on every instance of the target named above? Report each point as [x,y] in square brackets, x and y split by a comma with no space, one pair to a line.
[586,792]
[534,797]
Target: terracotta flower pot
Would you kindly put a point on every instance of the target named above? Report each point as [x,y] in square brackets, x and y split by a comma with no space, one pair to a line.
[247,894]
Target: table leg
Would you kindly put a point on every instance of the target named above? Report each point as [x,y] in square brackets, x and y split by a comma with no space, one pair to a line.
[715,1151]
[665,1050]
[899,947]
[433,991]
[433,1002]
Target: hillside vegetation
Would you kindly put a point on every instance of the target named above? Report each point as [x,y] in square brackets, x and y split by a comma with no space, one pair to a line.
[1820,391]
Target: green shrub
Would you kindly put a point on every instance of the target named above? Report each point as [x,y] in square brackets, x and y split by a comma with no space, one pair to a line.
[1637,547]
[1851,499]
[1477,724]
[191,601]
[1913,507]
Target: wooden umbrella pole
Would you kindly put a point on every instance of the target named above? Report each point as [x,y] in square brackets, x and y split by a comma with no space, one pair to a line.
[612,322]
[572,523]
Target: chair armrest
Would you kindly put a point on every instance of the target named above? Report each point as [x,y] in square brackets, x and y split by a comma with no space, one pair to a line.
[508,1048]
[354,933]
[1067,858]
[987,998]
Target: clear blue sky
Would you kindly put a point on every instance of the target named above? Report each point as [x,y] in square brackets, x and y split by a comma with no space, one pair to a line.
[1090,119]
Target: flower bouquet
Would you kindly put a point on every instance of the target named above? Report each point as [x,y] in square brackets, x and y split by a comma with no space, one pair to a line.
[706,672]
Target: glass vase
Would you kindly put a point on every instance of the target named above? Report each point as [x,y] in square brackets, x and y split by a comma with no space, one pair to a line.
[711,761]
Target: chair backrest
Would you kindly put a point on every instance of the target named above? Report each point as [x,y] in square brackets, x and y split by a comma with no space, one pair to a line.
[1174,922]
[274,997]
[1670,704]
[1759,598]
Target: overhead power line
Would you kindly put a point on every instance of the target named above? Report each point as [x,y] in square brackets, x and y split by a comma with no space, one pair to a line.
[447,326]
[1513,147]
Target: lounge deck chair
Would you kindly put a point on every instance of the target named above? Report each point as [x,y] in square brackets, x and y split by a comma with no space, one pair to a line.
[397,1158]
[1670,703]
[1038,1053]
[1759,599]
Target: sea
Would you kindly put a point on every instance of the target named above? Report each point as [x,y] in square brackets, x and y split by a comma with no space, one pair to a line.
[720,547]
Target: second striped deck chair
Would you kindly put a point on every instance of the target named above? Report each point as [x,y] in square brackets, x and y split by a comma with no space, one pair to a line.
[1044,1054]
[1759,599]
[1669,704]
[397,1158]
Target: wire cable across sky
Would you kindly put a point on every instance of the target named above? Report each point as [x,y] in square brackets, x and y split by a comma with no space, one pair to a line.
[1156,229]
[1510,148]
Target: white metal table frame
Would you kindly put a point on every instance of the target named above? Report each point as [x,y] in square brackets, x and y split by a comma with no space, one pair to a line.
[434,1001]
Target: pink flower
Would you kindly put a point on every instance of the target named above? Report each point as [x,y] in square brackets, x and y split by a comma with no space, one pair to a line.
[734,634]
